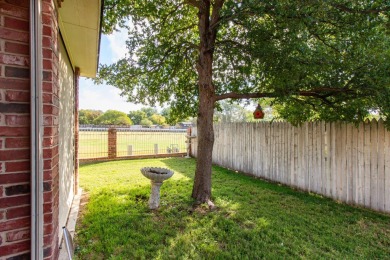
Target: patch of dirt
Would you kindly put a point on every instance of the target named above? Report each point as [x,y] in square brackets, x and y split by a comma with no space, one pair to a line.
[203,208]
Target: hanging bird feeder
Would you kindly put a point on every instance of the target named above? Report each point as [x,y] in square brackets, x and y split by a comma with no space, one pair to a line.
[258,113]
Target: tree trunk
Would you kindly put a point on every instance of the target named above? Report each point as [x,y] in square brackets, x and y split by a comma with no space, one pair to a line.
[201,191]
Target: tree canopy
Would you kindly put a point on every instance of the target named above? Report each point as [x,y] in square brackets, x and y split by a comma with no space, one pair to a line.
[157,119]
[136,116]
[88,116]
[113,117]
[318,59]
[149,111]
[146,122]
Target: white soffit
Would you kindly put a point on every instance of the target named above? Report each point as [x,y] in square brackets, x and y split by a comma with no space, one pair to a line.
[79,22]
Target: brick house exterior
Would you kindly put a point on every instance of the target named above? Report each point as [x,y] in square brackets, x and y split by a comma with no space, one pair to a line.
[40,63]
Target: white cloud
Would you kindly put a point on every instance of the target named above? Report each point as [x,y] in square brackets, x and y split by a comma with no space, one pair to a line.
[117,44]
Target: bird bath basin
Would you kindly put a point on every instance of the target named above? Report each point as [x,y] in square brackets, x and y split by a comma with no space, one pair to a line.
[156,176]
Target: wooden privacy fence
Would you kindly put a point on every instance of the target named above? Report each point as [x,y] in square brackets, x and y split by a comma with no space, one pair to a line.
[337,160]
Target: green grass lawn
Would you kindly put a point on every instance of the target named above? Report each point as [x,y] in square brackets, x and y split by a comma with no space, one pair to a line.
[94,143]
[254,219]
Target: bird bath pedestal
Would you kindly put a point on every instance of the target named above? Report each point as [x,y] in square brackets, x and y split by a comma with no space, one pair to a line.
[156,176]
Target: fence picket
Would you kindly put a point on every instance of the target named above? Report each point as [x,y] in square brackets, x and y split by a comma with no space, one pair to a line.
[322,184]
[340,139]
[285,154]
[267,151]
[367,163]
[275,152]
[271,155]
[381,166]
[354,177]
[296,156]
[287,145]
[318,156]
[301,156]
[348,163]
[386,155]
[292,155]
[327,164]
[309,155]
[360,181]
[374,166]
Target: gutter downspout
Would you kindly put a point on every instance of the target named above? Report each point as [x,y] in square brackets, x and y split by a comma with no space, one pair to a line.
[36,130]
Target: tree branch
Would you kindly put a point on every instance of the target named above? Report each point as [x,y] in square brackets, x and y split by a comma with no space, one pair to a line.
[231,17]
[170,50]
[318,37]
[305,93]
[164,19]
[231,43]
[183,29]
[194,3]
[234,95]
[216,14]
[345,8]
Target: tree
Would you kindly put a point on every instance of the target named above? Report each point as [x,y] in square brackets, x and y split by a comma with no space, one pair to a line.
[317,60]
[87,116]
[113,117]
[146,122]
[157,119]
[137,116]
[149,111]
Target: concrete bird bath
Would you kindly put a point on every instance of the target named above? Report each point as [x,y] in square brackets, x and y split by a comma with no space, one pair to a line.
[156,176]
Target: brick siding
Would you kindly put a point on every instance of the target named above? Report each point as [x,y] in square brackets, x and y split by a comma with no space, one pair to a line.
[15,171]
[50,142]
[14,129]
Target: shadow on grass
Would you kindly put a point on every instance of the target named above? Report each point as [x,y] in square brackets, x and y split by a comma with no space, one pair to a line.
[255,219]
[236,181]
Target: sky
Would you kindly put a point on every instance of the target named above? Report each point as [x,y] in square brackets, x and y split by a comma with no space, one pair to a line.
[105,97]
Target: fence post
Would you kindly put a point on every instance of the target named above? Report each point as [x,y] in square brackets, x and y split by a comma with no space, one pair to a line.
[155,148]
[112,143]
[130,150]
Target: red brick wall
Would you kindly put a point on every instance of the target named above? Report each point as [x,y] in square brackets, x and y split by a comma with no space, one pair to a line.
[50,145]
[14,128]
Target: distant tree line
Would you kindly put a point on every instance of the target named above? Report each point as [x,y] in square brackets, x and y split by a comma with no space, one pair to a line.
[145,116]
